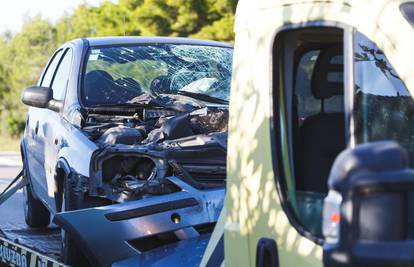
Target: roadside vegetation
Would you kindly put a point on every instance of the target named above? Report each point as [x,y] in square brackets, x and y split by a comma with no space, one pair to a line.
[24,54]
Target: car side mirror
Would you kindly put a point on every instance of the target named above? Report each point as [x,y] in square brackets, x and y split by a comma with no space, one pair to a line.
[368,213]
[41,97]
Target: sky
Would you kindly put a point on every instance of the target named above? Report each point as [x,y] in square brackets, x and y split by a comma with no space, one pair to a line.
[14,12]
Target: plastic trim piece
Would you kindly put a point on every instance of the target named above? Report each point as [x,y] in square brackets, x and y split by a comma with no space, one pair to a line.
[152,209]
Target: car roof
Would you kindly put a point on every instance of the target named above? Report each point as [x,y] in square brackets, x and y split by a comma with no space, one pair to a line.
[129,40]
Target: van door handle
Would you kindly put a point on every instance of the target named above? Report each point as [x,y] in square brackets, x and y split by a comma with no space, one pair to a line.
[266,253]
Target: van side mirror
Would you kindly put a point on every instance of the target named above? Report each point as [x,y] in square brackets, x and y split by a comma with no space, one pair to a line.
[367,216]
[41,97]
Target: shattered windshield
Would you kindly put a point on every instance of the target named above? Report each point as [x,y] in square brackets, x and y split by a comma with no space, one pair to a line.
[126,74]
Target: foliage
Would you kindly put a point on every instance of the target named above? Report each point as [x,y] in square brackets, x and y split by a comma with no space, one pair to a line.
[24,54]
[22,58]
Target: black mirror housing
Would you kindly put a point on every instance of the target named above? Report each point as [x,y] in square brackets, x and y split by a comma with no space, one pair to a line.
[372,185]
[41,97]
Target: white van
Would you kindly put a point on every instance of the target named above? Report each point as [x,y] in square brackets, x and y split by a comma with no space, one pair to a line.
[321,105]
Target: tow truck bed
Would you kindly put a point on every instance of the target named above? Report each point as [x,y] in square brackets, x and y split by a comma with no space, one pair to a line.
[15,254]
[134,228]
[21,246]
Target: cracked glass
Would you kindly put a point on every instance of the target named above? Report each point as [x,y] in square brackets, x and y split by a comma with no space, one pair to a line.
[119,74]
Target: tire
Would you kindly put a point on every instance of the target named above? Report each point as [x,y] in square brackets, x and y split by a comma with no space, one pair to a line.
[73,199]
[36,214]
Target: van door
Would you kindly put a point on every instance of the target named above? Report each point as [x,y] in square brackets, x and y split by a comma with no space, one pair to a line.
[372,185]
[309,130]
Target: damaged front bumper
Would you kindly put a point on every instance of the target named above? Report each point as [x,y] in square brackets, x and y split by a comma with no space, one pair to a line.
[137,231]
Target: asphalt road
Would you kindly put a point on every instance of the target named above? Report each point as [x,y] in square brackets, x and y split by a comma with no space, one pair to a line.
[12,224]
[11,212]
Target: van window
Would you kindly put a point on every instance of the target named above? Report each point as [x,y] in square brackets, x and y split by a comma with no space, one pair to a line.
[307,104]
[309,119]
[320,135]
[383,106]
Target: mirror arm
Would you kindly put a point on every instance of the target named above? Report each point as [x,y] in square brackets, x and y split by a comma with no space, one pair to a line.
[55,105]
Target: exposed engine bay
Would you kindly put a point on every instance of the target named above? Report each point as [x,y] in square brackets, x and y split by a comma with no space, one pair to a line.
[139,151]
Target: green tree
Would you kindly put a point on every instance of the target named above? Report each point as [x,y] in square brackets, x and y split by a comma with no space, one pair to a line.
[220,21]
[105,20]
[24,54]
[170,17]
[22,60]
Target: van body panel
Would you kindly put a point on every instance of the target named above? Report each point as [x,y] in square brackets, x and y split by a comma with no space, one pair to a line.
[252,203]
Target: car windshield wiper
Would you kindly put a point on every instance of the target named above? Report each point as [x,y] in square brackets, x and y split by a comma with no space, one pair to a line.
[120,108]
[204,97]
[121,105]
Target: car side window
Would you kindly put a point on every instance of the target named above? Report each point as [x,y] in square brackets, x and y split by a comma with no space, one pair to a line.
[383,106]
[60,81]
[50,69]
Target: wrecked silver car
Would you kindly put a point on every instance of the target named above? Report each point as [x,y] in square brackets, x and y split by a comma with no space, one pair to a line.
[136,127]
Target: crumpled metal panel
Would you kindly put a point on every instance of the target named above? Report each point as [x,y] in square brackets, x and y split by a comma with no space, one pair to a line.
[103,232]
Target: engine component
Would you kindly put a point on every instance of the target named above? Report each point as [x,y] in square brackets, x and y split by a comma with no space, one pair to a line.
[201,157]
[157,113]
[126,183]
[141,168]
[171,128]
[122,135]
[137,155]
[211,122]
[132,177]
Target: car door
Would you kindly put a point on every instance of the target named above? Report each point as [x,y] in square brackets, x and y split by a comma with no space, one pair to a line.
[54,126]
[35,138]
